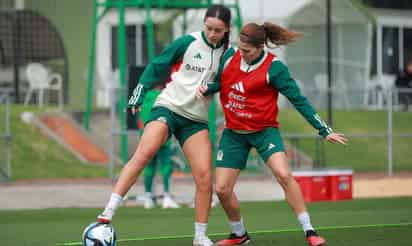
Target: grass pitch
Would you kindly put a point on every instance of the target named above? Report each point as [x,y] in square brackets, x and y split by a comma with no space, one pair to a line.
[376,222]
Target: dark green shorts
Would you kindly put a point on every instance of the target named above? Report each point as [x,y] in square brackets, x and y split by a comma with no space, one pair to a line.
[181,127]
[234,147]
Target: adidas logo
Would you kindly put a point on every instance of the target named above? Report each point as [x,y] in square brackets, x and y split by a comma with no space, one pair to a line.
[198,56]
[238,86]
[271,146]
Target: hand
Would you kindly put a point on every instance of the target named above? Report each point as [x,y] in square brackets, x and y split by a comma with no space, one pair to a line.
[134,110]
[200,91]
[337,138]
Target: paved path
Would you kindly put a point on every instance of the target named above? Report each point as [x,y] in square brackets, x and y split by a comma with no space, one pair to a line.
[62,194]
[94,193]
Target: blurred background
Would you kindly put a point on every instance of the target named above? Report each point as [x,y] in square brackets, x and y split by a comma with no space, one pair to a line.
[67,68]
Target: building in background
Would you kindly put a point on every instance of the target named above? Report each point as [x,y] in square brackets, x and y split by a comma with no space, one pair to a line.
[366,42]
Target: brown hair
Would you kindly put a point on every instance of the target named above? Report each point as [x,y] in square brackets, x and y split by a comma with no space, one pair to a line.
[222,13]
[258,35]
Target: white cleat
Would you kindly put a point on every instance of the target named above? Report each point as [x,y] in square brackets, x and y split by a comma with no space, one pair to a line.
[168,202]
[202,241]
[148,201]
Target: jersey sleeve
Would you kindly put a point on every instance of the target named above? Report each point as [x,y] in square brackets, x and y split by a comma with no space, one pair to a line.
[214,86]
[280,78]
[159,69]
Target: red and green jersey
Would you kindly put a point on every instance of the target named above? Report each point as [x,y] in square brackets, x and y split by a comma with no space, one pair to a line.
[249,93]
[247,99]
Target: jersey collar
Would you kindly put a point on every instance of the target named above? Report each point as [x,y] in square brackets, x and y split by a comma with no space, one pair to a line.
[261,55]
[245,67]
[209,44]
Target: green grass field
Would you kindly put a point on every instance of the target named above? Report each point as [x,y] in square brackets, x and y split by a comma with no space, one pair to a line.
[35,156]
[348,223]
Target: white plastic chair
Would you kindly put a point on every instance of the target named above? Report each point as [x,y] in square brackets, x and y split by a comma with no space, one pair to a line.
[376,89]
[41,79]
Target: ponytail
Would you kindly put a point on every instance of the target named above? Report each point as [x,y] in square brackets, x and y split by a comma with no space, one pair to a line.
[279,35]
[258,35]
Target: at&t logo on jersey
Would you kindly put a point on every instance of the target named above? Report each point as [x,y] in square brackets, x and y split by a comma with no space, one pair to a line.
[194,68]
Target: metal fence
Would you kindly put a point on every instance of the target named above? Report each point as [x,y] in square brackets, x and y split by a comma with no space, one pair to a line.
[380,144]
[5,139]
[384,136]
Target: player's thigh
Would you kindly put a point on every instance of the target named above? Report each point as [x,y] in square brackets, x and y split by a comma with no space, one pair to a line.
[233,150]
[154,136]
[198,151]
[267,142]
[162,115]
[279,165]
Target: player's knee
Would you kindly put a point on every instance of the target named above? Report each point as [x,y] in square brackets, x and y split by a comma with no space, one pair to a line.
[284,177]
[222,190]
[142,156]
[204,181]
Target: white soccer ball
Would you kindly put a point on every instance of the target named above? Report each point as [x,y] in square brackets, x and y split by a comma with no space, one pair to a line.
[97,234]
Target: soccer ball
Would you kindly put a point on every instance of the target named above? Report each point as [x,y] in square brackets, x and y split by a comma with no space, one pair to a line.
[97,234]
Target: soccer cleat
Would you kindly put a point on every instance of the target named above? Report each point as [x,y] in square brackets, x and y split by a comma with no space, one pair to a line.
[202,241]
[105,217]
[314,239]
[168,202]
[233,239]
[148,201]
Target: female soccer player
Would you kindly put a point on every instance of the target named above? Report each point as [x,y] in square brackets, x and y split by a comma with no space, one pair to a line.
[161,160]
[194,59]
[249,80]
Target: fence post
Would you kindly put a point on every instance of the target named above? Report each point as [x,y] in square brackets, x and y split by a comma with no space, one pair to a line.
[8,139]
[5,136]
[112,133]
[390,131]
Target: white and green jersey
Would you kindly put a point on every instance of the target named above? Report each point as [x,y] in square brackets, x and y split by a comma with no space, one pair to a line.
[189,61]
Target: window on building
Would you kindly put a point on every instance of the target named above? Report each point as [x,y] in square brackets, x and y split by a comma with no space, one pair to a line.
[407,42]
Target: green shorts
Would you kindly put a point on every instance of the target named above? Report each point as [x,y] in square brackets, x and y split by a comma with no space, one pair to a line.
[234,147]
[181,127]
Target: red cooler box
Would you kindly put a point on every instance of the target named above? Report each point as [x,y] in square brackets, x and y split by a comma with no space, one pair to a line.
[314,184]
[340,184]
[325,184]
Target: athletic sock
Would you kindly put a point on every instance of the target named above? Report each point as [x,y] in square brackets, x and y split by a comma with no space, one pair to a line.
[200,230]
[304,220]
[238,227]
[114,202]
